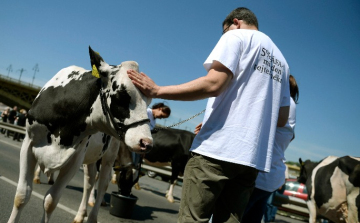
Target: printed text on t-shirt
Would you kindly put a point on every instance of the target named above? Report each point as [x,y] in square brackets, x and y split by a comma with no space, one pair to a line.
[270,65]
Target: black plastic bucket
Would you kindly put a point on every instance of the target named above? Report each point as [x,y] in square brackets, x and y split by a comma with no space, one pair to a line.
[122,206]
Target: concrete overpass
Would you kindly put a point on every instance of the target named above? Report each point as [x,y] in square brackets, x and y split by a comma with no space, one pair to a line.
[15,92]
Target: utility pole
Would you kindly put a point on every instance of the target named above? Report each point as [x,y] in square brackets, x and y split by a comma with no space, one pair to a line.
[35,69]
[9,69]
[21,71]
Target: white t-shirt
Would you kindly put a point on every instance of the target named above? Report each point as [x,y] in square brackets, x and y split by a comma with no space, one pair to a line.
[239,125]
[151,117]
[276,177]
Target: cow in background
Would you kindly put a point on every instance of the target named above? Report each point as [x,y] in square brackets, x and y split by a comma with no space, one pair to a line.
[333,188]
[71,106]
[170,148]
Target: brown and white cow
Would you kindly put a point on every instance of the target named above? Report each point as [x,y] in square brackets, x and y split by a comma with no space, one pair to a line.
[333,188]
[71,106]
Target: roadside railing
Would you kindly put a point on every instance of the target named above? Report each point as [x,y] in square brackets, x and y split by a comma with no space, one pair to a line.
[296,205]
[22,130]
[12,127]
[17,81]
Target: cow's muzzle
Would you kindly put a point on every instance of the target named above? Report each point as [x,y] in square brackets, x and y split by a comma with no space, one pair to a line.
[146,145]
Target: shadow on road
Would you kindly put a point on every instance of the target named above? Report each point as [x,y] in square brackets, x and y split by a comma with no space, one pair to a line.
[146,212]
[177,200]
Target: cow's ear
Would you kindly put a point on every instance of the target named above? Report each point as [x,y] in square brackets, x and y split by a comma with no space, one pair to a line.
[300,161]
[95,60]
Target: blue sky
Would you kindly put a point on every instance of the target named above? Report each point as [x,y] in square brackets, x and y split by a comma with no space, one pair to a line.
[171,39]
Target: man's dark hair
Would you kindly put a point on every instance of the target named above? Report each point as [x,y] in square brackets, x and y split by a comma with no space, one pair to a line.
[244,14]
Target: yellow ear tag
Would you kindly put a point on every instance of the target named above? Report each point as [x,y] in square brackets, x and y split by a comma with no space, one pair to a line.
[95,72]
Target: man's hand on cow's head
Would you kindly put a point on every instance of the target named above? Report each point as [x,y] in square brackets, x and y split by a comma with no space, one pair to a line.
[145,84]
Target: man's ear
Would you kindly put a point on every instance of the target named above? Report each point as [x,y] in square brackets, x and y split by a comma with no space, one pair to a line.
[237,23]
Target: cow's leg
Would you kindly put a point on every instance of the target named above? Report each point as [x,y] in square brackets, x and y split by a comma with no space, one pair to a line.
[66,173]
[312,211]
[89,181]
[137,186]
[92,199]
[114,176]
[169,193]
[36,179]
[116,169]
[50,177]
[24,187]
[37,175]
[352,209]
[104,179]
[174,175]
[136,174]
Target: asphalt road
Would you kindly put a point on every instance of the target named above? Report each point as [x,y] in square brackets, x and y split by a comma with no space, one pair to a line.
[151,205]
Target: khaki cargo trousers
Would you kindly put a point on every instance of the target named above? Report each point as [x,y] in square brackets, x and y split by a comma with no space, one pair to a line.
[215,187]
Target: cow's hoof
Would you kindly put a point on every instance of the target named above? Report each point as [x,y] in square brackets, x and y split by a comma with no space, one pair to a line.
[50,182]
[103,204]
[113,181]
[37,181]
[137,186]
[170,198]
[91,204]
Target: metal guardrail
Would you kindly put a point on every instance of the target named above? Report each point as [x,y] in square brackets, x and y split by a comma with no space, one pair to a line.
[17,81]
[12,127]
[295,204]
[163,170]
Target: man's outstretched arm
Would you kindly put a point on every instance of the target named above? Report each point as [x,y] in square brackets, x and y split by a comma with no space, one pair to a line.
[211,85]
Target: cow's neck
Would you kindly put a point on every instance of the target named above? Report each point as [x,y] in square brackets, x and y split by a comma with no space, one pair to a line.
[98,121]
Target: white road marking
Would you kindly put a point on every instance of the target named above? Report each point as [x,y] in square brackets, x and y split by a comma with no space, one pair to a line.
[11,144]
[40,196]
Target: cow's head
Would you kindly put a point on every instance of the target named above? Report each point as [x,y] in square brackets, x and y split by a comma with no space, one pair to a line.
[123,105]
[306,169]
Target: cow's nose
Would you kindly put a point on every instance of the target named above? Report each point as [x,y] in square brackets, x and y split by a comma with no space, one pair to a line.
[145,144]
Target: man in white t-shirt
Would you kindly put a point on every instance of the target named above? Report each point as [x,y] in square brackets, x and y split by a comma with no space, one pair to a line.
[248,89]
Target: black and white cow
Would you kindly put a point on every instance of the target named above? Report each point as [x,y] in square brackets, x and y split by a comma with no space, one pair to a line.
[333,188]
[170,148]
[71,106]
[95,143]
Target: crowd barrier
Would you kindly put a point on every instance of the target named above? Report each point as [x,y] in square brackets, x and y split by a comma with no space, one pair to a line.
[12,127]
[22,130]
